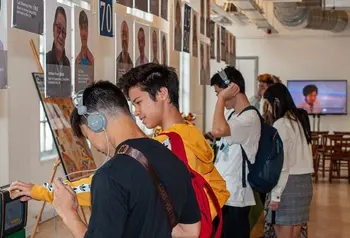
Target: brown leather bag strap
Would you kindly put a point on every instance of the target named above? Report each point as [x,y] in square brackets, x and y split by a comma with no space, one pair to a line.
[163,193]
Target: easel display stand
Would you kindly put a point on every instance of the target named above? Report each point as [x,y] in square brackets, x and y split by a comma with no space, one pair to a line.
[57,161]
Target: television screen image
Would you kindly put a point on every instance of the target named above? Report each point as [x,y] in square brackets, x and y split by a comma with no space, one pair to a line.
[320,96]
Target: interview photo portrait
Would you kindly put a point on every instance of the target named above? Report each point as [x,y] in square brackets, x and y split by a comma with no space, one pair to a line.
[155,45]
[164,49]
[124,47]
[142,44]
[84,58]
[3,46]
[58,48]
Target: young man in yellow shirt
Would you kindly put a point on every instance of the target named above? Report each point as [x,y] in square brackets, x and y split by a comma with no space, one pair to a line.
[154,91]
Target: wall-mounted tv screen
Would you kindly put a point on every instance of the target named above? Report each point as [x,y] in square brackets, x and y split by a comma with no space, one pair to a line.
[325,97]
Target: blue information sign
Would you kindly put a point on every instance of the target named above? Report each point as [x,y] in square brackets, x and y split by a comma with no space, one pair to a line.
[106,18]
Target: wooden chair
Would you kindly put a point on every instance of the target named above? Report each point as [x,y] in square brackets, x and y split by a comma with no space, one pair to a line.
[340,153]
[315,155]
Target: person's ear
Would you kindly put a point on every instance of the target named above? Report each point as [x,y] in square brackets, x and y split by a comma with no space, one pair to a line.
[163,94]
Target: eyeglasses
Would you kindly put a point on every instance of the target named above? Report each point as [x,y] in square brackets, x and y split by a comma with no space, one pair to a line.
[60,30]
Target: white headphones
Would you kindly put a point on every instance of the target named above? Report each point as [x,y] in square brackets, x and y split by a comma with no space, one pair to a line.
[224,77]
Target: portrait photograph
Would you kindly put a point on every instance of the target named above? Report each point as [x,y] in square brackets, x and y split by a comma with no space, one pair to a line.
[207,20]
[84,57]
[212,39]
[125,49]
[3,45]
[187,28]
[155,46]
[203,64]
[154,7]
[177,25]
[142,45]
[195,33]
[58,50]
[164,9]
[202,21]
[164,49]
[218,43]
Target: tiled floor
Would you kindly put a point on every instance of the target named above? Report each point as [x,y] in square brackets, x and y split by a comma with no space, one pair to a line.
[330,213]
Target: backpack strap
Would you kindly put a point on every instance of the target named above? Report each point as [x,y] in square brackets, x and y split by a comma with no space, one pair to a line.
[163,193]
[176,142]
[178,149]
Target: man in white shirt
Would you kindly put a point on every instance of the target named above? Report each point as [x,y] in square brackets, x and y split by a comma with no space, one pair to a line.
[241,129]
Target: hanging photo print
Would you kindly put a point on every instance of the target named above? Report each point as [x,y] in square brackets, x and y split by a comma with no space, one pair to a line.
[154,7]
[212,40]
[222,40]
[142,44]
[155,45]
[218,43]
[164,9]
[84,57]
[207,67]
[141,5]
[177,25]
[28,15]
[233,50]
[208,18]
[58,51]
[3,44]
[195,34]
[202,31]
[227,47]
[127,3]
[203,64]
[164,50]
[187,28]
[125,49]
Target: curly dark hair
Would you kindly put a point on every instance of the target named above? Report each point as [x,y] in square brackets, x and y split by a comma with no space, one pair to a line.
[151,78]
[308,89]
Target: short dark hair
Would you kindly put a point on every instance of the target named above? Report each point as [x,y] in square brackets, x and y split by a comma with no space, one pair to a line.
[309,89]
[102,96]
[63,12]
[233,75]
[151,78]
[83,19]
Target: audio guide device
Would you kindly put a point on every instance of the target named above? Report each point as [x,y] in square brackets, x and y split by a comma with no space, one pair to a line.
[13,215]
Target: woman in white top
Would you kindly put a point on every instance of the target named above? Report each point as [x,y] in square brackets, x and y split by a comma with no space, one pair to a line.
[292,195]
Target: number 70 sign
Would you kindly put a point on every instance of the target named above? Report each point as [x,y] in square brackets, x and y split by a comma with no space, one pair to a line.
[106,18]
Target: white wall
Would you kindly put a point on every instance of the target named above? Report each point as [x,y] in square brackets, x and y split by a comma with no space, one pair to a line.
[296,56]
[19,107]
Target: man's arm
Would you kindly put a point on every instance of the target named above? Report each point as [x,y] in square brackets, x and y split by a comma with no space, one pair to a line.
[220,125]
[45,192]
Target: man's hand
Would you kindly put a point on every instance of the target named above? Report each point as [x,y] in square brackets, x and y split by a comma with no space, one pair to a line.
[21,189]
[274,205]
[65,201]
[230,92]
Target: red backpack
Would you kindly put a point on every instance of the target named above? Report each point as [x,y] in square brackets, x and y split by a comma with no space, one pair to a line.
[200,185]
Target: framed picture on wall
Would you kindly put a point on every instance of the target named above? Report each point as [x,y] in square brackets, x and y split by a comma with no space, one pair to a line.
[127,3]
[218,43]
[223,46]
[154,7]
[155,46]
[125,49]
[187,28]
[208,18]
[203,64]
[164,49]
[58,51]
[212,40]
[177,25]
[164,9]
[3,45]
[195,34]
[84,56]
[142,45]
[202,21]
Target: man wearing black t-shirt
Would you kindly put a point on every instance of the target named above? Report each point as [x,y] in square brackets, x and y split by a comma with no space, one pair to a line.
[125,201]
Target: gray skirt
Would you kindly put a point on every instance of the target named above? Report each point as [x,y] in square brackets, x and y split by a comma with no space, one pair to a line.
[295,201]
